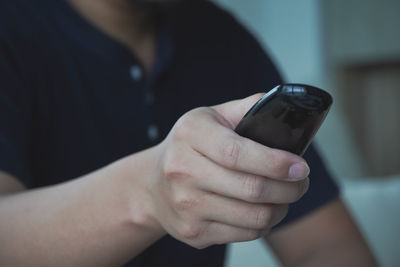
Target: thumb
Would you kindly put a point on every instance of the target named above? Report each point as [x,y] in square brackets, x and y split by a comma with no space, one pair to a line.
[233,111]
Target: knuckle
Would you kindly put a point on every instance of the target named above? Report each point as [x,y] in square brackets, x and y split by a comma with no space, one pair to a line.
[254,188]
[231,152]
[184,202]
[173,171]
[262,217]
[175,166]
[278,165]
[191,231]
[184,126]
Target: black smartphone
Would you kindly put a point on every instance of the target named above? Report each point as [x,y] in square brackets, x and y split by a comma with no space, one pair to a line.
[287,117]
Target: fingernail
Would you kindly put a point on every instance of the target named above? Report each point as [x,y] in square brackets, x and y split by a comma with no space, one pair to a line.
[299,171]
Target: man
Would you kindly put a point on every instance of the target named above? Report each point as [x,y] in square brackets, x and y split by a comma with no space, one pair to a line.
[105,157]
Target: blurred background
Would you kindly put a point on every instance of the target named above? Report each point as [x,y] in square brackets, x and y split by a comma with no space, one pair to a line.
[351,48]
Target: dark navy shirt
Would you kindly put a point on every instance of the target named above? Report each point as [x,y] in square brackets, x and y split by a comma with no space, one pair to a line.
[72,99]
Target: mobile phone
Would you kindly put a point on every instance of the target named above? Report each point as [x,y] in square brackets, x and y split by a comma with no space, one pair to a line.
[287,117]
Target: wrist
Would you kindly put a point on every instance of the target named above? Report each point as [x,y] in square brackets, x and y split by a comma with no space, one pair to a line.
[135,173]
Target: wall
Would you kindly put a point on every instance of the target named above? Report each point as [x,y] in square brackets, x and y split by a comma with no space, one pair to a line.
[361,30]
[362,52]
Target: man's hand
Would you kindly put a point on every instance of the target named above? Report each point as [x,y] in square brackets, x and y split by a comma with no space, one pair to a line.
[203,184]
[214,186]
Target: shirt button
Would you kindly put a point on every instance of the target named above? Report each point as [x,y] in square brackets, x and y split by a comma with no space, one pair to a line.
[136,72]
[152,132]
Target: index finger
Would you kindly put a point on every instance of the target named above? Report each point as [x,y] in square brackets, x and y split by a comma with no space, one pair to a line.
[228,149]
[234,110]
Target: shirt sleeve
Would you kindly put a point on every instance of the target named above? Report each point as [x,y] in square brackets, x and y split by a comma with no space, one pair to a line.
[14,117]
[322,188]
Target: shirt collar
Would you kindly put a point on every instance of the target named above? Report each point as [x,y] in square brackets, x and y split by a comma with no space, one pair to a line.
[105,47]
